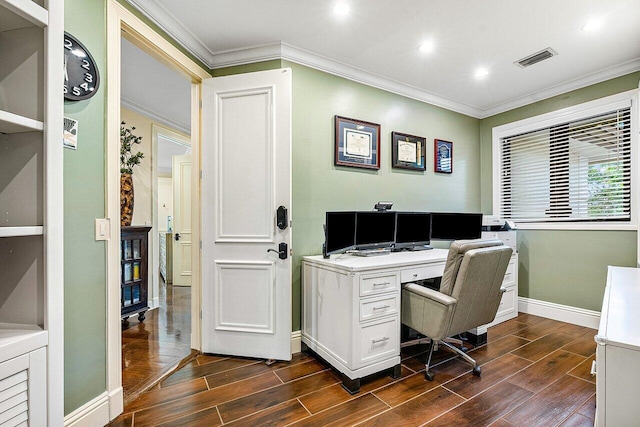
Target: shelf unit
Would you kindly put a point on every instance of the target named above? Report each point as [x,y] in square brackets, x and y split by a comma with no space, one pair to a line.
[133,272]
[31,214]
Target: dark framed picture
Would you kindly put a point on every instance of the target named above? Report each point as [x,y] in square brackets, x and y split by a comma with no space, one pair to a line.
[407,151]
[357,143]
[442,156]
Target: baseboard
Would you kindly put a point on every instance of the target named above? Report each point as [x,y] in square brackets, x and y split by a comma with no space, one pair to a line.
[91,414]
[296,342]
[116,403]
[563,313]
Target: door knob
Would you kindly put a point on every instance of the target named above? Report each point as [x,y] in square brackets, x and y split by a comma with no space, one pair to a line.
[177,236]
[282,250]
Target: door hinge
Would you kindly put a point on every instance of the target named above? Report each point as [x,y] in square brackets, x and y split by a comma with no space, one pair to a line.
[201,314]
[201,104]
[200,244]
[200,173]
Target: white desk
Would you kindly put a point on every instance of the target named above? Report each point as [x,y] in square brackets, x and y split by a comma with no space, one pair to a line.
[351,308]
[618,350]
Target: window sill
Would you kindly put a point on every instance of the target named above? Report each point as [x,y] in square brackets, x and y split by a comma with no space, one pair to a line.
[586,226]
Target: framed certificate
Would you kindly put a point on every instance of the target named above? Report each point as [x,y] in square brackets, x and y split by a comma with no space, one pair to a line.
[408,151]
[443,156]
[357,143]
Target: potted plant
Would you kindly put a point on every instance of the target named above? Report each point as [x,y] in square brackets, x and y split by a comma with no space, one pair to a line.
[128,160]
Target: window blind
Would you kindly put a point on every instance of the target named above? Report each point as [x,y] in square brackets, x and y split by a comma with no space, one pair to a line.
[574,171]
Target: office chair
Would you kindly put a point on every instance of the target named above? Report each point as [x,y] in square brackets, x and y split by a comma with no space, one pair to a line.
[469,295]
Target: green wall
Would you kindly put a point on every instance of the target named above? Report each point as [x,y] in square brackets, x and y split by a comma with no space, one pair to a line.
[563,267]
[84,199]
[319,186]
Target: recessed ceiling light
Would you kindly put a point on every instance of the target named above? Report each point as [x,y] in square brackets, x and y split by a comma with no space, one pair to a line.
[592,25]
[481,73]
[341,9]
[427,46]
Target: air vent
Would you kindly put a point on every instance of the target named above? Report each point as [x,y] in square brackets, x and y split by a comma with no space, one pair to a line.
[536,57]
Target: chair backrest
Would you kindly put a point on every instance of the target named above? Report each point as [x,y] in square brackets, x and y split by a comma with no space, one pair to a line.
[473,275]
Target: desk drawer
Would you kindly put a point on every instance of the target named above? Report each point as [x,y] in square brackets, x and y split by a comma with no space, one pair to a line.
[378,284]
[420,273]
[509,276]
[508,303]
[378,341]
[374,308]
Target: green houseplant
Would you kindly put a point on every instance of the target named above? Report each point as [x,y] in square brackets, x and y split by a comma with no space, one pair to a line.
[129,158]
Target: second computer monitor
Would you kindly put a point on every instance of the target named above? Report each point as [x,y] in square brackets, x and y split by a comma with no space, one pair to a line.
[375,229]
[413,229]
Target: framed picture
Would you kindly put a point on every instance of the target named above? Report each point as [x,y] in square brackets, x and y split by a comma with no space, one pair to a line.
[443,156]
[357,143]
[407,151]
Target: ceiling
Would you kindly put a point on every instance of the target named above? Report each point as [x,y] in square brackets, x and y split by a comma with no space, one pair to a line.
[378,42]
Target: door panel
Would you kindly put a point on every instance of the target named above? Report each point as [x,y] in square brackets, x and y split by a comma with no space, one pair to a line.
[246,175]
[181,172]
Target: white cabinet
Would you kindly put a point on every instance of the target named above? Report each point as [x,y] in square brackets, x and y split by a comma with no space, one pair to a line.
[31,218]
[351,308]
[618,350]
[22,392]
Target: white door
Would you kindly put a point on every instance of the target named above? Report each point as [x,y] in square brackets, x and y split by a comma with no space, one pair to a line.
[181,174]
[246,176]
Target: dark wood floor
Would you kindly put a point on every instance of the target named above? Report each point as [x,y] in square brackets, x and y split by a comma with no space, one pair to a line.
[535,372]
[154,347]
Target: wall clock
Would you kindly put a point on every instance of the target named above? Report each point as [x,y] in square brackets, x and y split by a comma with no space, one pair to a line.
[81,77]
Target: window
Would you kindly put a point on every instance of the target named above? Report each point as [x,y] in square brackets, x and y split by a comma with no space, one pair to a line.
[573,165]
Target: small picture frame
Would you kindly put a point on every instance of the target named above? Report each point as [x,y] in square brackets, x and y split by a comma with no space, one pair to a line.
[357,143]
[408,151]
[442,156]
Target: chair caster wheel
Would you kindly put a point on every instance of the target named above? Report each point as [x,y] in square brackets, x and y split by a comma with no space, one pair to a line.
[477,371]
[429,375]
[464,349]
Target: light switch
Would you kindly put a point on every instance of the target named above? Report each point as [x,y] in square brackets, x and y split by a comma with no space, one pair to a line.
[102,227]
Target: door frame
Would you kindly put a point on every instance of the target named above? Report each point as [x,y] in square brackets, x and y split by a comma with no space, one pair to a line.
[122,23]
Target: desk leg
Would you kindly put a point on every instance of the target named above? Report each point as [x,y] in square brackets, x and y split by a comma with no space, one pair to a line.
[352,386]
[396,371]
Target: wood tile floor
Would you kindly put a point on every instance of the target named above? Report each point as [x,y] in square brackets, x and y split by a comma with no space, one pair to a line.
[158,344]
[535,372]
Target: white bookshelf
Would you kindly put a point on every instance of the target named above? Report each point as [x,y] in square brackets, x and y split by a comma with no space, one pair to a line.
[31,216]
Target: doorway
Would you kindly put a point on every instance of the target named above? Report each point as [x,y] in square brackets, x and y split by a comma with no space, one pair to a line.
[155,104]
[121,22]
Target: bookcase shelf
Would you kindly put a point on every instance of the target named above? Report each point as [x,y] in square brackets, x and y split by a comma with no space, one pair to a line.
[133,272]
[31,213]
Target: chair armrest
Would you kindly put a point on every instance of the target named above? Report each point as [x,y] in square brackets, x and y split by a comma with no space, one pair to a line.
[432,294]
[427,311]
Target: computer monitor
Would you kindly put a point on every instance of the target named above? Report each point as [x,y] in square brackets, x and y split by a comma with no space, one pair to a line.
[375,229]
[455,226]
[413,229]
[339,232]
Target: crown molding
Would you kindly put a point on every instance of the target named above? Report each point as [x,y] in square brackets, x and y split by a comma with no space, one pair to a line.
[134,106]
[167,22]
[584,81]
[309,59]
[170,25]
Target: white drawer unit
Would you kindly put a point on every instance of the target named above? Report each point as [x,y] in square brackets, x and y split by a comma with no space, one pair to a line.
[618,350]
[351,309]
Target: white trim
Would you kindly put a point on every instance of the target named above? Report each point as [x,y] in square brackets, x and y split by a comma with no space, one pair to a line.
[296,342]
[588,80]
[166,121]
[574,112]
[165,20]
[91,414]
[562,313]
